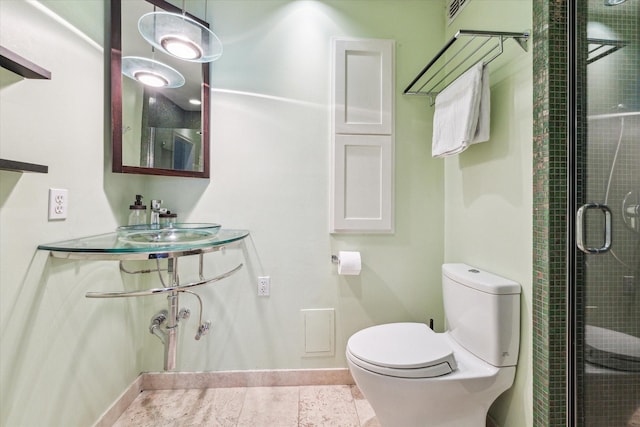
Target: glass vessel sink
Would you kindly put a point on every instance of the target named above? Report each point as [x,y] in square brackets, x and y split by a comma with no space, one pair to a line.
[143,242]
[178,233]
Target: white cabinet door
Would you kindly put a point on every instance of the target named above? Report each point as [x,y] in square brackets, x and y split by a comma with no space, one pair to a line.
[363,184]
[363,83]
[362,198]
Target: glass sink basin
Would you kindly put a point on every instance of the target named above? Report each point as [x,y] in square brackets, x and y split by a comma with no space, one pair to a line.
[179,233]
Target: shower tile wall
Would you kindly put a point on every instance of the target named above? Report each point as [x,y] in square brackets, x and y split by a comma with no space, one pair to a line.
[612,171]
[550,195]
[610,303]
[613,87]
[550,201]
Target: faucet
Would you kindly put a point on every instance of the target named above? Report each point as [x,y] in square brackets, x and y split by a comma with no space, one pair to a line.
[155,212]
[156,322]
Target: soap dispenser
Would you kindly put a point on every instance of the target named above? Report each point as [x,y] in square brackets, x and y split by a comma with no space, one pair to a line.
[155,212]
[138,212]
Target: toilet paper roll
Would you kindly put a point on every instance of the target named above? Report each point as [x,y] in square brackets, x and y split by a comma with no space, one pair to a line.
[349,263]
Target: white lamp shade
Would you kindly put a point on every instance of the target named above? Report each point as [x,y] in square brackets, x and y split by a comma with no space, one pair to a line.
[180,36]
[151,72]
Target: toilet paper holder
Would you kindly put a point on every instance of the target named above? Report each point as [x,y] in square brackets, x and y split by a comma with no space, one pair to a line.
[349,263]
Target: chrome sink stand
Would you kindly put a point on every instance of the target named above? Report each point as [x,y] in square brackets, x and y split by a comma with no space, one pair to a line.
[170,343]
[110,247]
[169,334]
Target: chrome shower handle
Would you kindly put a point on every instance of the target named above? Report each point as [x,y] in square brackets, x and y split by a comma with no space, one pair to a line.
[581,229]
[631,210]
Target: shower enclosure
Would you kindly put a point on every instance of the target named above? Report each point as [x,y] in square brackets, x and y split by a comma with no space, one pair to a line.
[604,298]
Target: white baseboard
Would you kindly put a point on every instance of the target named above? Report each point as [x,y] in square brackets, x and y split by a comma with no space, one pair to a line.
[261,378]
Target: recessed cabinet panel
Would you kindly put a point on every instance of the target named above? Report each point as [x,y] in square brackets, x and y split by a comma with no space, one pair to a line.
[363,86]
[362,192]
[363,136]
[363,94]
[362,181]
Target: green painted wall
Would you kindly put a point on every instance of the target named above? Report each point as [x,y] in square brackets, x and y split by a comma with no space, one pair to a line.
[270,174]
[63,358]
[270,154]
[488,188]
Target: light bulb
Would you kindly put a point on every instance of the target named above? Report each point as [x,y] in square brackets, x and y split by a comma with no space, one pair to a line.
[181,47]
[151,79]
[151,73]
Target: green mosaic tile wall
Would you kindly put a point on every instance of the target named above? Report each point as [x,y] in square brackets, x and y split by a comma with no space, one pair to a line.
[549,216]
[602,288]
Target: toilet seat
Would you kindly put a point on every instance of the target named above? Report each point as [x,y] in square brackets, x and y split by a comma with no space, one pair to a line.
[405,350]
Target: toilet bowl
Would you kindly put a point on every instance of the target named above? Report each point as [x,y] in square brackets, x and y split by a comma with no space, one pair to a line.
[415,377]
[611,357]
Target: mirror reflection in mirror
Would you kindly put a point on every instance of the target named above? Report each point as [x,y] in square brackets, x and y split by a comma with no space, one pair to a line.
[162,129]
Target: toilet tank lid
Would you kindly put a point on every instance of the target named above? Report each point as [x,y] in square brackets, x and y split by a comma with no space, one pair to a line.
[480,280]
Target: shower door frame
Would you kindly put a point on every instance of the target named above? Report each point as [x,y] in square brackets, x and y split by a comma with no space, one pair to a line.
[572,343]
[577,132]
[576,193]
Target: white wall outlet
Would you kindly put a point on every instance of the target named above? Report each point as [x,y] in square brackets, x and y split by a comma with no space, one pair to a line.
[58,203]
[264,286]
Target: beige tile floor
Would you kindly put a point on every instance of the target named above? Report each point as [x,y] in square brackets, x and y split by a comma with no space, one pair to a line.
[303,406]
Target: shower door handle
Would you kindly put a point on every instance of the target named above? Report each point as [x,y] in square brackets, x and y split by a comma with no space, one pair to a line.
[581,229]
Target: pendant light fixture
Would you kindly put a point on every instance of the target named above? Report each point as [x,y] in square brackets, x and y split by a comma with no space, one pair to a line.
[151,72]
[180,36]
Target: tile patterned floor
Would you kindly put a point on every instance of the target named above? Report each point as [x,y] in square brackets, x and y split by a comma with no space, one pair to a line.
[297,406]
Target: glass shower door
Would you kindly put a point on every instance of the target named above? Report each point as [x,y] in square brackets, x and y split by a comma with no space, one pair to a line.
[607,295]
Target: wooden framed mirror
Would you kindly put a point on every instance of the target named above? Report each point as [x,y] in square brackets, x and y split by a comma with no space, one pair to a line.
[156,131]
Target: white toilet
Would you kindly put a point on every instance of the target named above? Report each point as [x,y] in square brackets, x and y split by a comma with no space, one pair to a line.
[414,377]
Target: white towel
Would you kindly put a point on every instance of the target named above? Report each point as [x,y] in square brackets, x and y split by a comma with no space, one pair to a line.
[461,117]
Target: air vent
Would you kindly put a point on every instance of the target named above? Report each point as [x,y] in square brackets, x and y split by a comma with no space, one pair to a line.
[455,6]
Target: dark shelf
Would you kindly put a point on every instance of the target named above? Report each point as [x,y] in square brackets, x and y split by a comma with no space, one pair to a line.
[16,63]
[12,165]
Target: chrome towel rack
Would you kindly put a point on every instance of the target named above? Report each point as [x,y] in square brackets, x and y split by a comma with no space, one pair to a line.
[599,48]
[163,290]
[456,58]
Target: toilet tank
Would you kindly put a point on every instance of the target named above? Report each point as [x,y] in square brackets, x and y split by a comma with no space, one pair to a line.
[482,313]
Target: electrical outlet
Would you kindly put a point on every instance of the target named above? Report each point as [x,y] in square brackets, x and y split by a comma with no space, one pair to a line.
[264,286]
[58,203]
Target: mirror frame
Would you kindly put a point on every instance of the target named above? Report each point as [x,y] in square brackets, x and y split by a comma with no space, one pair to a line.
[116,99]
